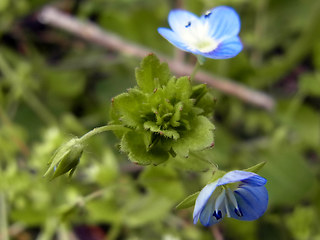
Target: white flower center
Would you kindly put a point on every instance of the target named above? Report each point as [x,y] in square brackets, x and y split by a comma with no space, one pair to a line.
[196,35]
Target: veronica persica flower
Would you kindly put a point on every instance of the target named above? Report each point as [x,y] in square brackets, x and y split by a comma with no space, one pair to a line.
[213,35]
[238,194]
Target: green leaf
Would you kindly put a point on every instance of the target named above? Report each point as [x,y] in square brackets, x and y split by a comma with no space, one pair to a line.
[128,108]
[203,99]
[174,121]
[198,91]
[188,201]
[198,138]
[151,74]
[133,144]
[178,89]
[256,168]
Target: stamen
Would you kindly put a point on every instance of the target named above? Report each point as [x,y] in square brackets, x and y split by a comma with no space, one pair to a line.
[207,14]
[220,199]
[217,215]
[234,202]
[238,212]
[227,207]
[188,25]
[232,198]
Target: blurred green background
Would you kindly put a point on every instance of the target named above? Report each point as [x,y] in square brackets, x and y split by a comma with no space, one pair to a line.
[54,85]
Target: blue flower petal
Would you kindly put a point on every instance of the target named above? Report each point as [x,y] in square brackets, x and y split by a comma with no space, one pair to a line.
[255,181]
[173,38]
[237,176]
[252,201]
[224,23]
[202,200]
[226,49]
[178,20]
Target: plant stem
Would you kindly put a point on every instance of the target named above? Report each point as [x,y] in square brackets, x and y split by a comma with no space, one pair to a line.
[3,218]
[216,232]
[195,70]
[102,129]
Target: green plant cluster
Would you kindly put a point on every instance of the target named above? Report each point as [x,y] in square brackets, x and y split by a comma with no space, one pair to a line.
[168,116]
[54,86]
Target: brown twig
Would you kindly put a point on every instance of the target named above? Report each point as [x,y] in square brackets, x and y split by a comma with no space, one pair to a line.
[92,33]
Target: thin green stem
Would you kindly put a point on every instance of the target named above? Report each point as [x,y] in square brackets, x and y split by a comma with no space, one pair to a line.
[3,218]
[195,70]
[102,129]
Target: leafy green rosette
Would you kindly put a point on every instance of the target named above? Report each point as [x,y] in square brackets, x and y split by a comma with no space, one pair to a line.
[168,116]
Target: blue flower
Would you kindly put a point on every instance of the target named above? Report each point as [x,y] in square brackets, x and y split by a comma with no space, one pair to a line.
[238,194]
[213,35]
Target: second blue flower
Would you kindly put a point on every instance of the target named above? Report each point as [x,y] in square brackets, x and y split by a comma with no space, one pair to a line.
[213,35]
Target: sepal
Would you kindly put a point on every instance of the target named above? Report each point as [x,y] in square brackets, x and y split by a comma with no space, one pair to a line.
[256,168]
[188,201]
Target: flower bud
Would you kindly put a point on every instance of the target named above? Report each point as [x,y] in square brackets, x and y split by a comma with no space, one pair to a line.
[66,158]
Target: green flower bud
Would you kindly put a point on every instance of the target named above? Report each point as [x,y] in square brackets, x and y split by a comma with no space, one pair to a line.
[65,159]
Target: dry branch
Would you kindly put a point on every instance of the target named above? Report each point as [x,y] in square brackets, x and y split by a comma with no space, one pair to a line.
[92,33]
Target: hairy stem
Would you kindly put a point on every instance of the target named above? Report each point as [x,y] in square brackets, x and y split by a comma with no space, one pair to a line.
[102,129]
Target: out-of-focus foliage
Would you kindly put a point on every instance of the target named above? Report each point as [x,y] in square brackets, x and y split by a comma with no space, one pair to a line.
[54,86]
